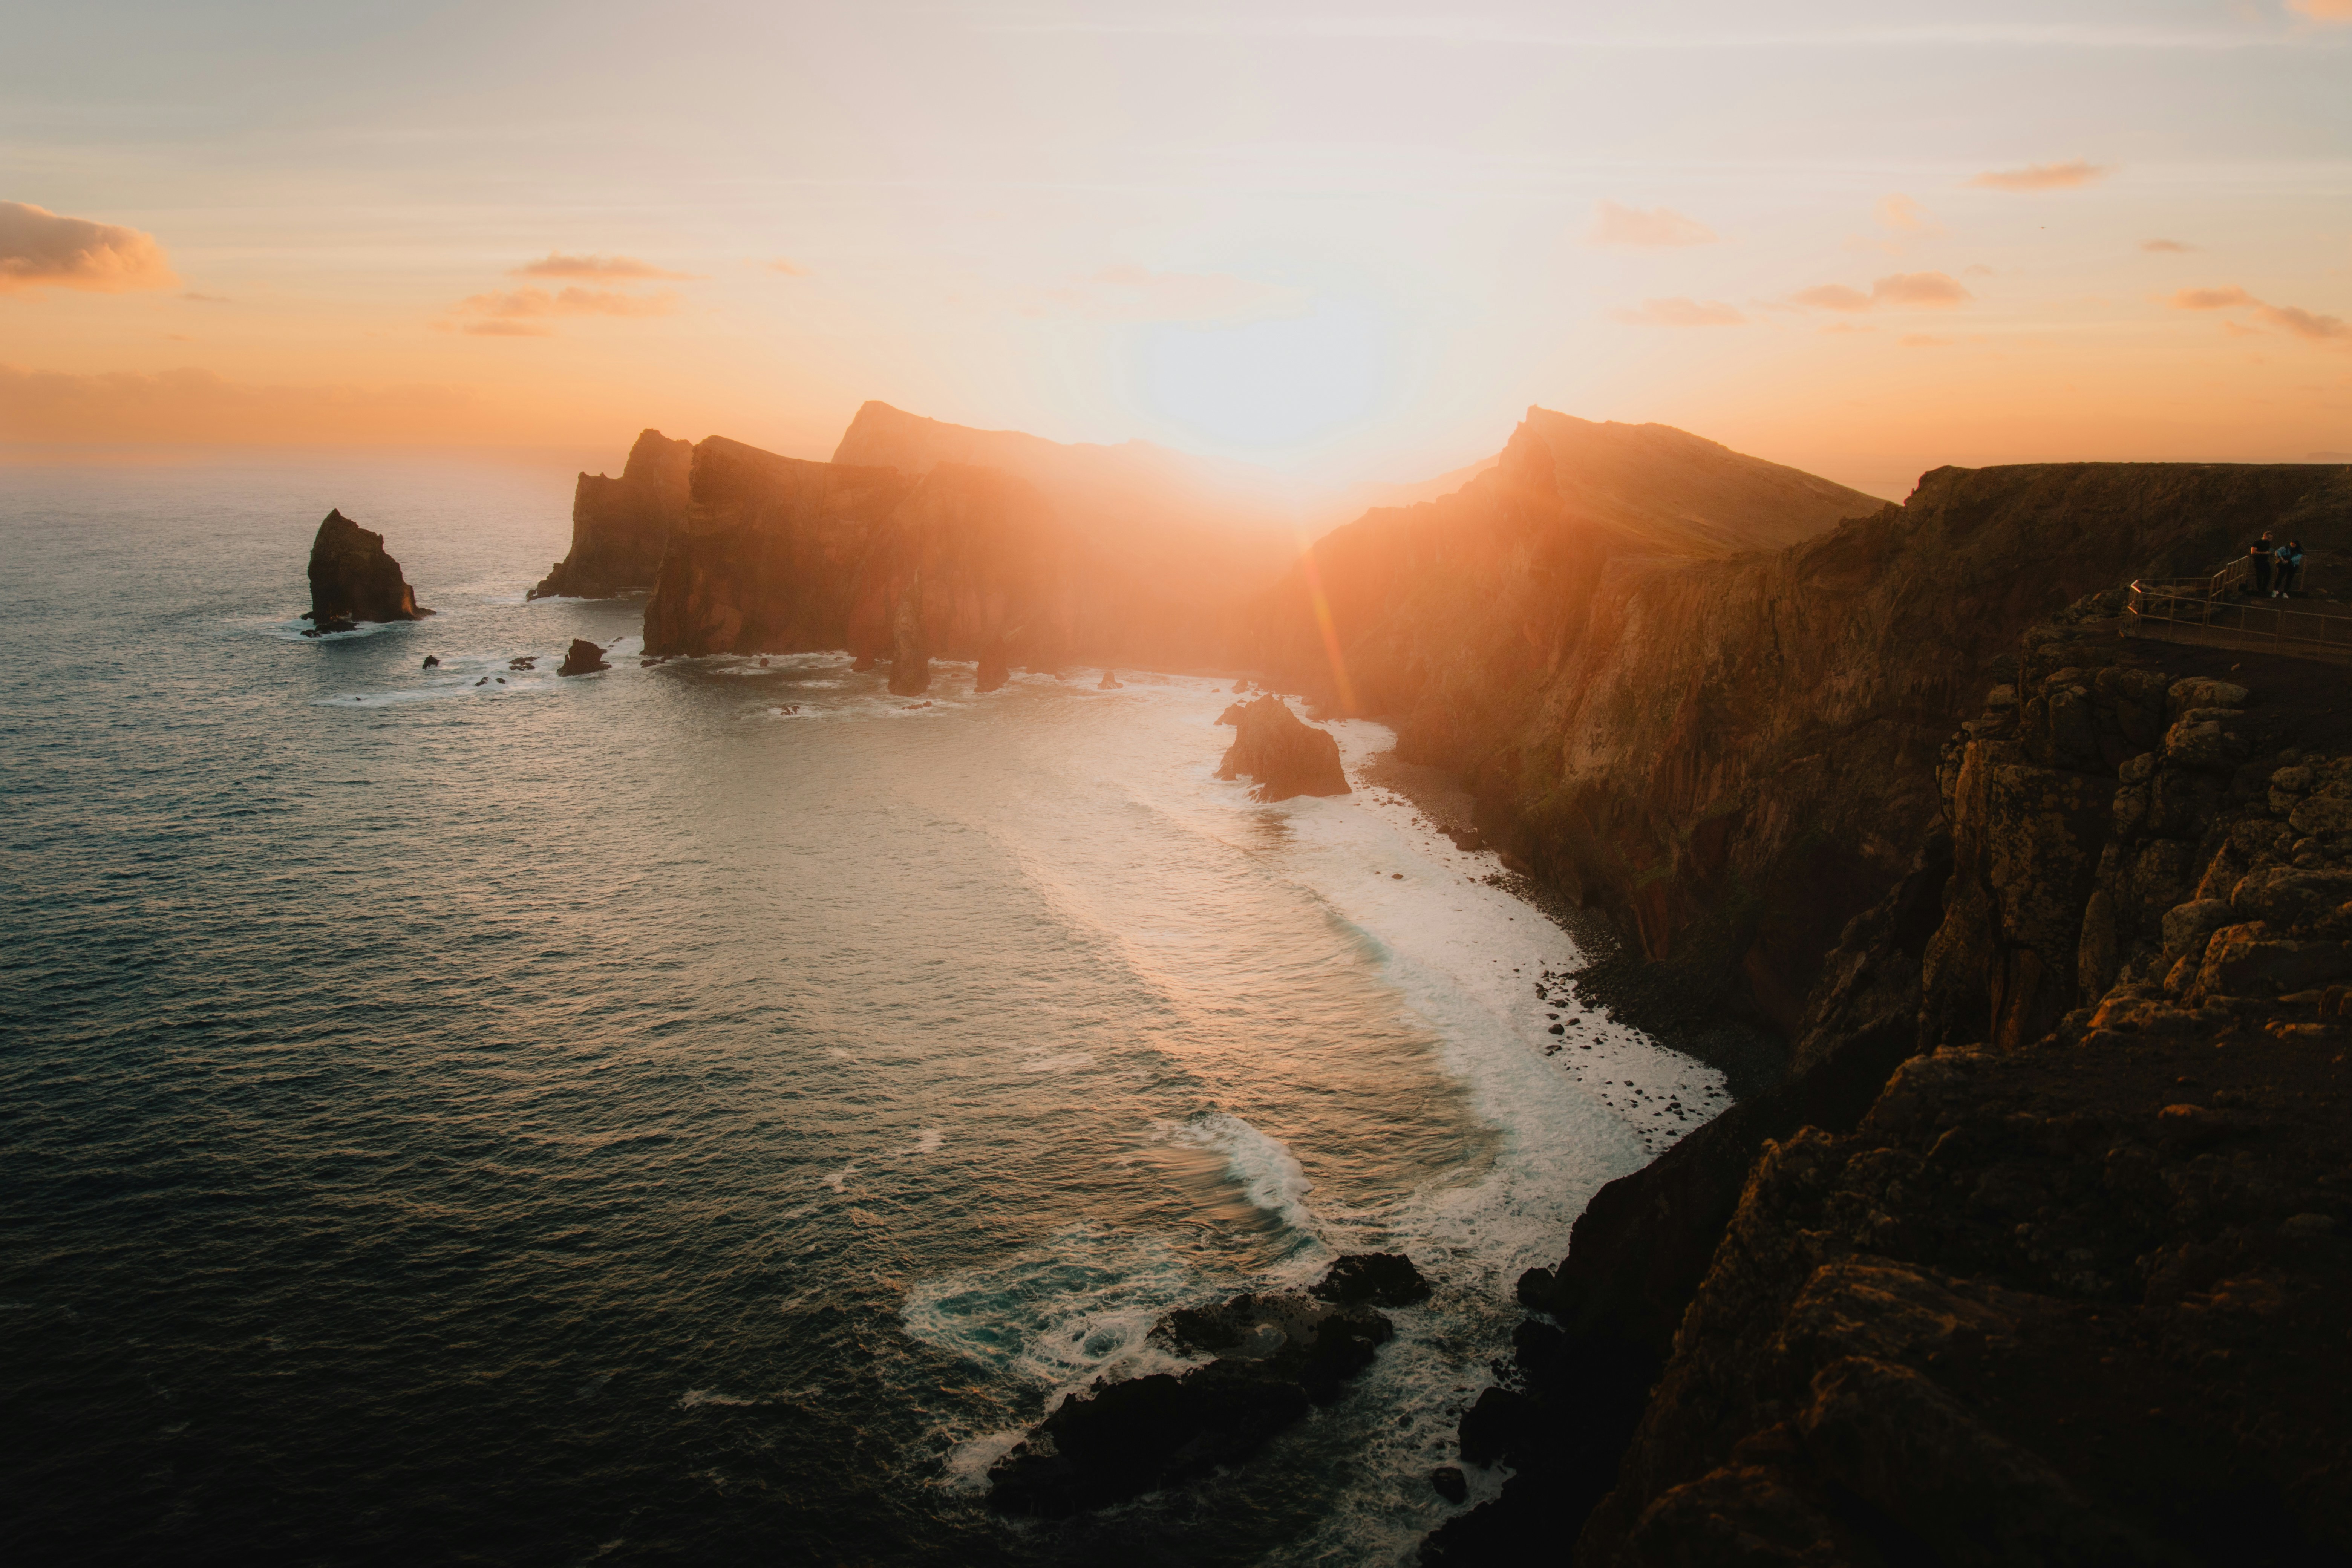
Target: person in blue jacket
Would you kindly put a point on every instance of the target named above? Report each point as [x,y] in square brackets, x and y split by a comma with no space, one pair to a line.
[2289,568]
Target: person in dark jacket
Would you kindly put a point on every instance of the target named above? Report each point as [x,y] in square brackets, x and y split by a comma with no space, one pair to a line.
[2259,552]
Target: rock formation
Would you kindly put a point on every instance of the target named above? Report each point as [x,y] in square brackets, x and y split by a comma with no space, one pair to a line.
[1275,1357]
[583,657]
[779,555]
[353,580]
[1286,758]
[620,527]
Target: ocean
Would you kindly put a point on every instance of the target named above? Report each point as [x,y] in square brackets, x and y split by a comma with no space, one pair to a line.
[699,1113]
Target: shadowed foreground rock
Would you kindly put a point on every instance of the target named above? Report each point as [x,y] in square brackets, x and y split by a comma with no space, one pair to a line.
[1278,1356]
[1285,756]
[353,580]
[583,657]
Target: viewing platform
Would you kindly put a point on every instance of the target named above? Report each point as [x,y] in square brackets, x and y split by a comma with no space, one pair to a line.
[2214,611]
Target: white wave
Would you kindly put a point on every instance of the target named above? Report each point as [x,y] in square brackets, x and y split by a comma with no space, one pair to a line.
[1266,1170]
[695,1397]
[928,1140]
[968,1463]
[1078,1307]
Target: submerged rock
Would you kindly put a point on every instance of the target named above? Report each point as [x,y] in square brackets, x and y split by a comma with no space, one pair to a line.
[353,580]
[583,657]
[1286,758]
[431,662]
[1279,1354]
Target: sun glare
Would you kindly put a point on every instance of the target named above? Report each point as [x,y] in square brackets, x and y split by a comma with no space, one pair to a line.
[1266,386]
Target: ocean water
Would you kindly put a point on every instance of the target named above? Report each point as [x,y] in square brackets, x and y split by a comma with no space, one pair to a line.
[697,1113]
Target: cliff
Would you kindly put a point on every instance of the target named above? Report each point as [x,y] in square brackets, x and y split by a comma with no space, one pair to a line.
[1733,757]
[620,527]
[1754,763]
[2065,1292]
[777,554]
[354,580]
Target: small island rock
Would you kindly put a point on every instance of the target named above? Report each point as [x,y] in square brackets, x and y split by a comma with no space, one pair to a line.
[353,580]
[1286,757]
[583,657]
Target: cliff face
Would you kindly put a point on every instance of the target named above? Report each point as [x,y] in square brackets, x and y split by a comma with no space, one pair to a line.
[1734,757]
[2064,1293]
[776,555]
[353,580]
[620,527]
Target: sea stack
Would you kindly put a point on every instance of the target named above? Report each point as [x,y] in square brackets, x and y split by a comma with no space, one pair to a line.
[583,657]
[911,659]
[1284,756]
[353,580]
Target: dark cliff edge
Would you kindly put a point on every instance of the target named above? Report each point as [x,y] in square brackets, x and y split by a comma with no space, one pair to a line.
[957,562]
[1828,1328]
[354,580]
[620,527]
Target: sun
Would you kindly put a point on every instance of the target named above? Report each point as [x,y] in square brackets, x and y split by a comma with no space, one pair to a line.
[1264,386]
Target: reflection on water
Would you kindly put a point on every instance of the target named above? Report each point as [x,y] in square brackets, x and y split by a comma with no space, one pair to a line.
[641,1120]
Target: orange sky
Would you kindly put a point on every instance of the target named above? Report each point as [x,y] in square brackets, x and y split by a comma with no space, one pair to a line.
[1348,242]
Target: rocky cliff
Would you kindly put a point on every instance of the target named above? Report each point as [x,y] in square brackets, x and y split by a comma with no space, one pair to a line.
[354,580]
[2065,1291]
[1754,763]
[620,527]
[954,561]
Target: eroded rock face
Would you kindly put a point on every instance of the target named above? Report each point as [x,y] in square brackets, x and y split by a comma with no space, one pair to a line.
[1275,1357]
[620,527]
[353,580]
[1286,757]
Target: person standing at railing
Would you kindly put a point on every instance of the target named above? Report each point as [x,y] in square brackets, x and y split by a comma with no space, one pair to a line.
[2259,553]
[2287,562]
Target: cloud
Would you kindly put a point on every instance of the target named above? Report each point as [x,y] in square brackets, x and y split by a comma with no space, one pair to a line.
[1830,297]
[1924,290]
[1681,313]
[1922,340]
[1847,327]
[206,299]
[614,268]
[787,268]
[1976,270]
[1614,225]
[39,249]
[501,314]
[1132,293]
[2289,318]
[1901,213]
[2063,176]
[2322,10]
[1898,291]
[2166,247]
[2227,298]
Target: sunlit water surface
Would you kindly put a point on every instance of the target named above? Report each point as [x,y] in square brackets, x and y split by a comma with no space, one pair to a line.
[476,1115]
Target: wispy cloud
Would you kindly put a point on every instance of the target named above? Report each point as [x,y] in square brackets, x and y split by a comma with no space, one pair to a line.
[783,267]
[1444,27]
[522,312]
[41,249]
[607,268]
[2166,247]
[1615,225]
[1922,340]
[2327,12]
[1901,213]
[1896,291]
[2066,176]
[2289,318]
[1681,313]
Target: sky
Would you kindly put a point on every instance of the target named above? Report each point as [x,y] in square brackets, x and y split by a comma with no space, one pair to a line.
[1348,241]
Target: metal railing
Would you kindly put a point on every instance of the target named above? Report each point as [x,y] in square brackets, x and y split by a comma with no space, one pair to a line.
[2208,609]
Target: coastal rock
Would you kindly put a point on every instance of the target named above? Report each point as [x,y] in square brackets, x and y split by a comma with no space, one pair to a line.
[1110,682]
[1286,757]
[993,671]
[1277,1356]
[910,659]
[620,527]
[583,657]
[353,580]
